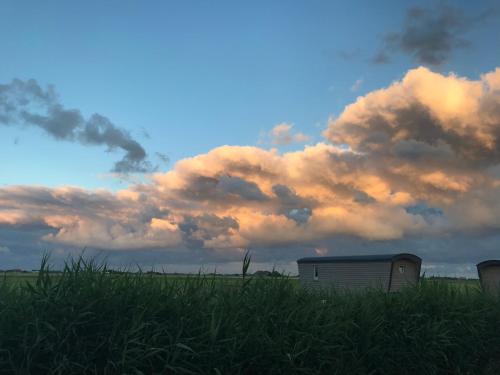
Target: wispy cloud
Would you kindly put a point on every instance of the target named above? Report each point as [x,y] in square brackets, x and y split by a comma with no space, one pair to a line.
[357,85]
[283,134]
[349,55]
[163,157]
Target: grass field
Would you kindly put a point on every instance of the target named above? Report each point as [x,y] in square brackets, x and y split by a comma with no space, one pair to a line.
[87,321]
[22,278]
[19,278]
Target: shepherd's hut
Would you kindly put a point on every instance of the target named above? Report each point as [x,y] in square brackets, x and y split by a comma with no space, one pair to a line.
[390,272]
[489,275]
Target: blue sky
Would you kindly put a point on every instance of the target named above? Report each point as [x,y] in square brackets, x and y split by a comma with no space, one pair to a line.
[182,78]
[195,75]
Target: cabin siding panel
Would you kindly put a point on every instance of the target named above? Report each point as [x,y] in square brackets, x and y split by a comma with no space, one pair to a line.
[345,275]
[409,277]
[490,278]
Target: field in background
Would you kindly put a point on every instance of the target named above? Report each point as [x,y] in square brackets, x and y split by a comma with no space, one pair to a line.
[30,277]
[86,320]
[21,278]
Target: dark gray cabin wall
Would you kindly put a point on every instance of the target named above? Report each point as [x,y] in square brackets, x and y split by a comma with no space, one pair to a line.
[409,277]
[344,275]
[490,279]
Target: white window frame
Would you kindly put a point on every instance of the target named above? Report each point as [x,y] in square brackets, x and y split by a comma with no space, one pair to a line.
[315,273]
[402,268]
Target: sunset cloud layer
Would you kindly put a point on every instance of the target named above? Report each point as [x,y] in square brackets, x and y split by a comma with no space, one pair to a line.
[418,158]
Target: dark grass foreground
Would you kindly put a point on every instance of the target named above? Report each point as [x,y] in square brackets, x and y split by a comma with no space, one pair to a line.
[87,321]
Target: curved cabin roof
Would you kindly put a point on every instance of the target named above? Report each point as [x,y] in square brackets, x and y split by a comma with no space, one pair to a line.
[488,263]
[362,258]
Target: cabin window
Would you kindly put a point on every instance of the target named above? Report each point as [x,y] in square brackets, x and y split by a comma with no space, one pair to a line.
[402,268]
[315,272]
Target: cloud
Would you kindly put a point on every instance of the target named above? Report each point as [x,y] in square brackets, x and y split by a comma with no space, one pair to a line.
[293,206]
[435,137]
[206,227]
[410,166]
[4,250]
[381,57]
[26,103]
[356,85]
[349,55]
[282,134]
[430,35]
[163,157]
[321,251]
[77,217]
[426,117]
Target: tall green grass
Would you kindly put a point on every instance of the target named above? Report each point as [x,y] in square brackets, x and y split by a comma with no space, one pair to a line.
[87,321]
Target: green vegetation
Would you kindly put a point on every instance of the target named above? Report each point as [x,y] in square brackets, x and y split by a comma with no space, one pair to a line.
[86,320]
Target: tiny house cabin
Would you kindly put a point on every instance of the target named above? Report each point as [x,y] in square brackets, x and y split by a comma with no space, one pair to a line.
[390,272]
[489,275]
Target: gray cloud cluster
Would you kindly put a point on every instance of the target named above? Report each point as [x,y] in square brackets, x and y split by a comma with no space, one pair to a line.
[430,35]
[25,103]
[197,229]
[292,205]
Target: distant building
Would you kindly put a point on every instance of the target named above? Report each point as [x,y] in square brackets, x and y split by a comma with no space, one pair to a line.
[489,275]
[390,272]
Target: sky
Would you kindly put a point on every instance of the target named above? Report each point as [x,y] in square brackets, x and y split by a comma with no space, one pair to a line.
[179,135]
